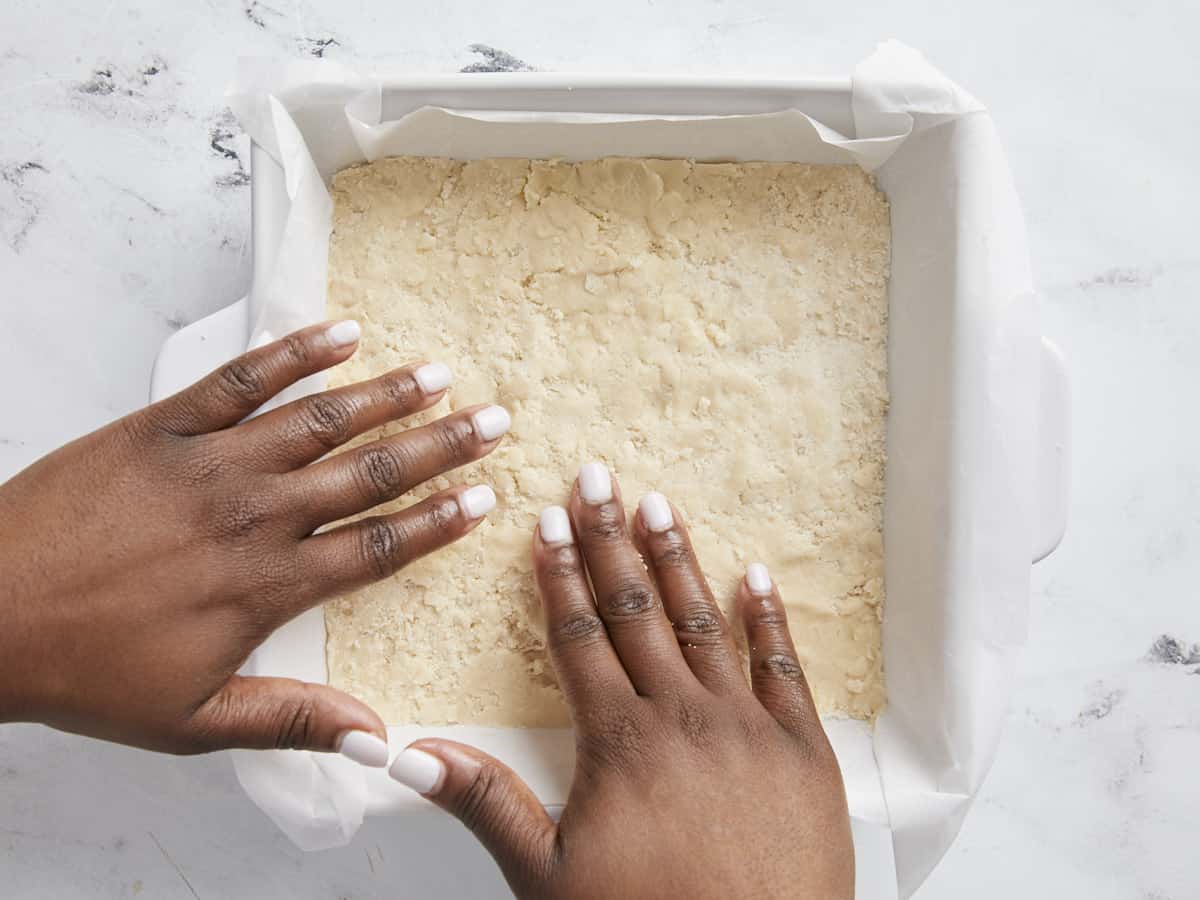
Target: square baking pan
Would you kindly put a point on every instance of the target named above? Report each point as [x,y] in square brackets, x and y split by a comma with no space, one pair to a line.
[977,431]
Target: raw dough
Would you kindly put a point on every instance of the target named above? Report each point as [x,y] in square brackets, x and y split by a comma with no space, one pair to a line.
[713,331]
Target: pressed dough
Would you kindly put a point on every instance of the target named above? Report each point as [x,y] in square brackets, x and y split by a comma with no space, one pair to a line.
[716,332]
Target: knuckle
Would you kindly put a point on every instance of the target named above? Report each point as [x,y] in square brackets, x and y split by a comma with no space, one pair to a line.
[384,471]
[694,722]
[243,381]
[479,798]
[440,517]
[156,421]
[296,723]
[557,572]
[579,628]
[674,555]
[202,467]
[328,419]
[769,616]
[454,439]
[399,389]
[231,717]
[699,619]
[146,426]
[202,471]
[297,349]
[380,546]
[603,528]
[561,564]
[781,665]
[239,516]
[203,729]
[634,599]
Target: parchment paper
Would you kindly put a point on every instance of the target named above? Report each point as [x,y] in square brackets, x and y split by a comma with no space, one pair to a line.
[963,379]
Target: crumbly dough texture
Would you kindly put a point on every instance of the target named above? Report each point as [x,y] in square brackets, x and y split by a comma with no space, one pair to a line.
[716,332]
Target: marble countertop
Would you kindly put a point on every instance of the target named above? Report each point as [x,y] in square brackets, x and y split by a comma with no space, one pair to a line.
[124,215]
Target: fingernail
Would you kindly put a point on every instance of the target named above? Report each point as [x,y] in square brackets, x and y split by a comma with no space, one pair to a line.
[477,502]
[656,511]
[364,748]
[555,526]
[417,770]
[758,579]
[491,422]
[343,334]
[595,484]
[433,377]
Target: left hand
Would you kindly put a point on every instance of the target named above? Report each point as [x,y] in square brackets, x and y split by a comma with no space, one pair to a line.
[141,564]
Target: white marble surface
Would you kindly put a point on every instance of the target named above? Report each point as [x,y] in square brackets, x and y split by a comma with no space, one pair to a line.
[124,214]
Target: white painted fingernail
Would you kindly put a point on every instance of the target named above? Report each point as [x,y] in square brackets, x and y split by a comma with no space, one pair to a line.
[555,526]
[595,484]
[758,579]
[433,377]
[364,748]
[417,770]
[491,422]
[477,502]
[656,511]
[343,334]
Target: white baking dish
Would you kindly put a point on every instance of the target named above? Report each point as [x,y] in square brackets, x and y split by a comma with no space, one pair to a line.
[977,435]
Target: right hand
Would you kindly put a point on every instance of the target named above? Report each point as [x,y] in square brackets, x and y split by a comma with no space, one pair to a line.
[689,782]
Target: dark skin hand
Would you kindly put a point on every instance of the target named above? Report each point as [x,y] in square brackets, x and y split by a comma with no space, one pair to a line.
[144,562]
[689,782]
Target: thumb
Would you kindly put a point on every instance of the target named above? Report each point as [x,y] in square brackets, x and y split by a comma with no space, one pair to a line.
[264,713]
[490,799]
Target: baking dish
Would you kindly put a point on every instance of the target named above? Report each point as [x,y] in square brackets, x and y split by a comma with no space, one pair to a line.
[977,434]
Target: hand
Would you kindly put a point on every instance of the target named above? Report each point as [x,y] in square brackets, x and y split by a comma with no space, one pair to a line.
[688,782]
[143,563]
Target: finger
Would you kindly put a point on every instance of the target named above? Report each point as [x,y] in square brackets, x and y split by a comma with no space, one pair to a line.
[382,470]
[700,628]
[775,672]
[625,596]
[588,668]
[366,550]
[306,429]
[241,386]
[263,713]
[491,800]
